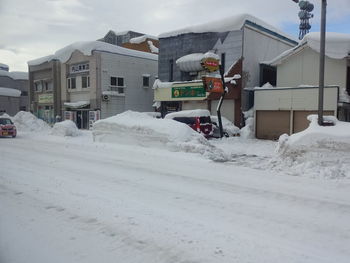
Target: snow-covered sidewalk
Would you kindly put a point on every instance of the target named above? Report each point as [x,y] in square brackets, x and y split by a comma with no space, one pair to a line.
[66,199]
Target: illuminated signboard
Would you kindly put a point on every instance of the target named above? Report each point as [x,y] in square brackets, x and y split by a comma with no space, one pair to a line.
[213,85]
[188,91]
[210,64]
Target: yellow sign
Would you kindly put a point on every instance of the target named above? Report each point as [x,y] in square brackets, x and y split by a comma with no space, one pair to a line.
[210,64]
[45,98]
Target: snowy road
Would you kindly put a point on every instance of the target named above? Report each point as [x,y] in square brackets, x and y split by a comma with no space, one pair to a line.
[71,200]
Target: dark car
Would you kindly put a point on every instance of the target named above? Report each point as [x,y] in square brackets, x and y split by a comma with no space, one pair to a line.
[7,128]
[198,120]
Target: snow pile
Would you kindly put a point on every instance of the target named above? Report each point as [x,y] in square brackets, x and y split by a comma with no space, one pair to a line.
[337,46]
[248,131]
[318,150]
[8,92]
[193,62]
[141,39]
[141,129]
[87,47]
[227,125]
[152,47]
[188,113]
[65,128]
[27,122]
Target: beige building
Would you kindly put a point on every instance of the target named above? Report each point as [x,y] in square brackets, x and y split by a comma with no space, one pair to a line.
[300,67]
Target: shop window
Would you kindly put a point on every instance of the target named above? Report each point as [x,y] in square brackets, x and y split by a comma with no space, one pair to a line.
[71,83]
[85,82]
[117,84]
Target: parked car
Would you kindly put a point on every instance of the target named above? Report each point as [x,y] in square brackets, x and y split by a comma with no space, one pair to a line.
[7,128]
[198,120]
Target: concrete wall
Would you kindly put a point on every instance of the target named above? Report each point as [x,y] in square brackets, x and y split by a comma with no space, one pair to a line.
[303,69]
[132,69]
[172,48]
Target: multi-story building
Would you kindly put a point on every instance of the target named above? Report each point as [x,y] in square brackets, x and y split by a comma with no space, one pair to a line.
[18,101]
[44,88]
[97,80]
[241,42]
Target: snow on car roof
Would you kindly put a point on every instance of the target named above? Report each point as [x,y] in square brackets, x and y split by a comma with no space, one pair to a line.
[188,113]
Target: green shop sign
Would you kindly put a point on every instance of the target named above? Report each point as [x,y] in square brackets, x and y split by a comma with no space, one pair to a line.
[45,98]
[195,91]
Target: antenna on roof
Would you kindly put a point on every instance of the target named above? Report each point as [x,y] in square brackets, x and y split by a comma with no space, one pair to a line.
[304,14]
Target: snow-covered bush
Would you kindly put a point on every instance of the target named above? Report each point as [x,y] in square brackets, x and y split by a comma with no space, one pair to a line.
[65,128]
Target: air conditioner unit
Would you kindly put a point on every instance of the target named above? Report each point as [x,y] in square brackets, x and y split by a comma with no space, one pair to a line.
[105,98]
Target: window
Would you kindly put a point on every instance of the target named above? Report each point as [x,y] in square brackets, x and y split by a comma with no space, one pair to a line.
[22,108]
[117,84]
[171,70]
[71,83]
[24,93]
[145,80]
[48,86]
[85,82]
[38,86]
[223,58]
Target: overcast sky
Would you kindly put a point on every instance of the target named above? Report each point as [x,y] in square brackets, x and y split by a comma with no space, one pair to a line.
[30,29]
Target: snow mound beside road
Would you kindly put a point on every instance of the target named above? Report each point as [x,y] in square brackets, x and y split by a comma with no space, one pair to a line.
[319,150]
[141,129]
[27,122]
[65,128]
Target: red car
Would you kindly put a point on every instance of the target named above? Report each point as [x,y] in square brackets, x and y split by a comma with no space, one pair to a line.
[7,128]
[198,120]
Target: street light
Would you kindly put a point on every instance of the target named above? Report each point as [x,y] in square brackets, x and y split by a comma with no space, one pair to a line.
[322,60]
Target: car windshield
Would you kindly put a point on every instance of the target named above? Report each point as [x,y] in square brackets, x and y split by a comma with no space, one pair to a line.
[205,119]
[4,121]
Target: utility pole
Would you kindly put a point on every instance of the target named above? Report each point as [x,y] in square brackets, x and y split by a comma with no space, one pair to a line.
[322,56]
[322,62]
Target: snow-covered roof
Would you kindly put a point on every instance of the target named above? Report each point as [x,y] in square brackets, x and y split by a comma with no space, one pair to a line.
[140,39]
[10,92]
[87,47]
[16,75]
[4,67]
[152,47]
[232,23]
[77,104]
[192,62]
[337,46]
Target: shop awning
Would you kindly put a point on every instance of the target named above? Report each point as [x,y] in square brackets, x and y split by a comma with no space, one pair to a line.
[77,104]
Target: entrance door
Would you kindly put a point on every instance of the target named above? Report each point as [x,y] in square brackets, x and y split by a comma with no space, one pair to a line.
[82,119]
